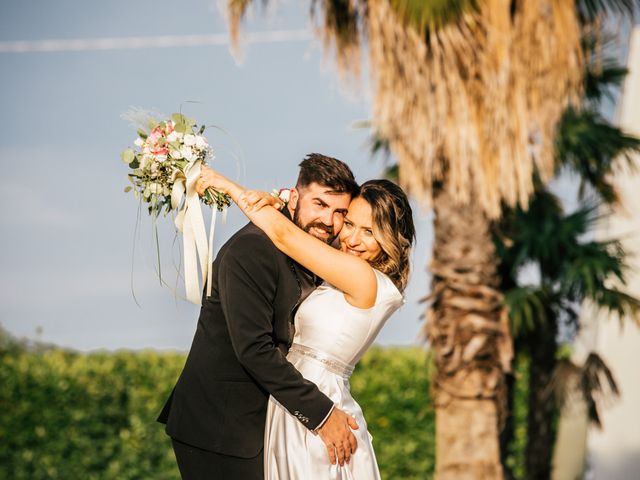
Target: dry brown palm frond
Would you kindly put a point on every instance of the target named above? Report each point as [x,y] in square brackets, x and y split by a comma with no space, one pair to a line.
[338,27]
[593,383]
[475,103]
[235,11]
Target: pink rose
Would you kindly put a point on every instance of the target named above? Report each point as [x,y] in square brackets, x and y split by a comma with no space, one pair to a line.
[160,151]
[153,138]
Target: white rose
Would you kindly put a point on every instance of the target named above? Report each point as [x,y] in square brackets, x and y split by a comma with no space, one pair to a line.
[172,137]
[201,142]
[284,194]
[139,142]
[189,139]
[187,153]
[175,154]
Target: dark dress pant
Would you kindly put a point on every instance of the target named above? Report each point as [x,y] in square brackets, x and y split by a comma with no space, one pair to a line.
[197,464]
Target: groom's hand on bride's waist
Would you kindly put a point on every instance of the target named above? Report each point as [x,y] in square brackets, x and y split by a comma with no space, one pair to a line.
[337,436]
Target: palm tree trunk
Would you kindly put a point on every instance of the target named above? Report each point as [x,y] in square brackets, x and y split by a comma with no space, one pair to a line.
[508,432]
[540,424]
[468,332]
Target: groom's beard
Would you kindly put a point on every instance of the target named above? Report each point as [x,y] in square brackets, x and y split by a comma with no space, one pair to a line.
[307,228]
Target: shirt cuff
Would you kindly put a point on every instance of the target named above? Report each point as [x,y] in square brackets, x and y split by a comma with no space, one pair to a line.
[315,430]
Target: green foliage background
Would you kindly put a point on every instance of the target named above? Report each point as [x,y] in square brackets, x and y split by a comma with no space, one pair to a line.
[69,415]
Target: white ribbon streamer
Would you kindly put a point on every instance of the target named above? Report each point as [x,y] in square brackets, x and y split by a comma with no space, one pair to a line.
[210,251]
[189,221]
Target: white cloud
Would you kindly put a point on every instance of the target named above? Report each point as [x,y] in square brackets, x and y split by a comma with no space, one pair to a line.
[158,41]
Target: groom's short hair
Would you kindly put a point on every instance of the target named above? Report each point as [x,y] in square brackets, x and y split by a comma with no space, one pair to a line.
[327,171]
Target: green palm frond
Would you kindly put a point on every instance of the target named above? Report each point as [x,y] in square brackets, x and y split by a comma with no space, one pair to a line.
[601,81]
[378,146]
[571,268]
[543,234]
[590,266]
[590,146]
[392,172]
[528,309]
[432,14]
[617,302]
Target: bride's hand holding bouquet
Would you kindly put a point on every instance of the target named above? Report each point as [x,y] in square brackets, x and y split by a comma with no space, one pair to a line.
[246,199]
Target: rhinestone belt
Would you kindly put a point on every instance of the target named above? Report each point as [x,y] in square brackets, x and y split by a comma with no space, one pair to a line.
[332,364]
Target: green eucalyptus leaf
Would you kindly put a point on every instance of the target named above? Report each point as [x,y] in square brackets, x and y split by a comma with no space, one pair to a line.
[127,189]
[128,156]
[142,134]
[178,118]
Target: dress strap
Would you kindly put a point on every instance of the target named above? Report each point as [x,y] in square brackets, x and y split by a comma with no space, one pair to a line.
[330,363]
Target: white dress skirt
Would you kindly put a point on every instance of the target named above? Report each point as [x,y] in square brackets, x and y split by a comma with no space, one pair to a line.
[331,337]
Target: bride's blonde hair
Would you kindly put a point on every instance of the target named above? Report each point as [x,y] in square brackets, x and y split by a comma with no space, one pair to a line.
[393,228]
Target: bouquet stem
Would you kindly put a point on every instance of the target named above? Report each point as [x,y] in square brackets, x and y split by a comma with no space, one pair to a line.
[213,196]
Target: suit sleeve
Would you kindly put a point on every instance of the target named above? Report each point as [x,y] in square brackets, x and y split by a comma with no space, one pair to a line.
[247,289]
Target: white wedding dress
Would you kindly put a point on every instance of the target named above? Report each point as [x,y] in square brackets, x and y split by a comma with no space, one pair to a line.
[331,337]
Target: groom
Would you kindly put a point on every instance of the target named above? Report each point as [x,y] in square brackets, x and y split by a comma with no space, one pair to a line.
[216,413]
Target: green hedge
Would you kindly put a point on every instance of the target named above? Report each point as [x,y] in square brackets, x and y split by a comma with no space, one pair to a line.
[72,416]
[68,415]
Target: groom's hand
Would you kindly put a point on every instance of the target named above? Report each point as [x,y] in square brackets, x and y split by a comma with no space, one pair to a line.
[337,436]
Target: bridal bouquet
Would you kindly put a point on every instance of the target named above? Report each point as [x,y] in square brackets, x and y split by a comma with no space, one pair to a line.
[165,156]
[165,166]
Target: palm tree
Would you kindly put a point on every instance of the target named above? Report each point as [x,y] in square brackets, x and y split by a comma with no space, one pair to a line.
[469,94]
[571,269]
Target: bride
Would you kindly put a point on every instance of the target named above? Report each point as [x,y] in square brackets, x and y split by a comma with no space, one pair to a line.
[363,284]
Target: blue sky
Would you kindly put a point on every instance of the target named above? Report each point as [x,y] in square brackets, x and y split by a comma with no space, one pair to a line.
[67,226]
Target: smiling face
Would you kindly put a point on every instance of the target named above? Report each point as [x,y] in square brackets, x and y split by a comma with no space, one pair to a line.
[356,236]
[319,211]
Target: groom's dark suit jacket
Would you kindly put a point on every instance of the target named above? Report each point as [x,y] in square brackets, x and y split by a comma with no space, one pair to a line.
[237,357]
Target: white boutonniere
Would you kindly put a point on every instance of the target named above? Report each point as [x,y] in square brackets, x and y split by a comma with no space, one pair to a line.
[282,196]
